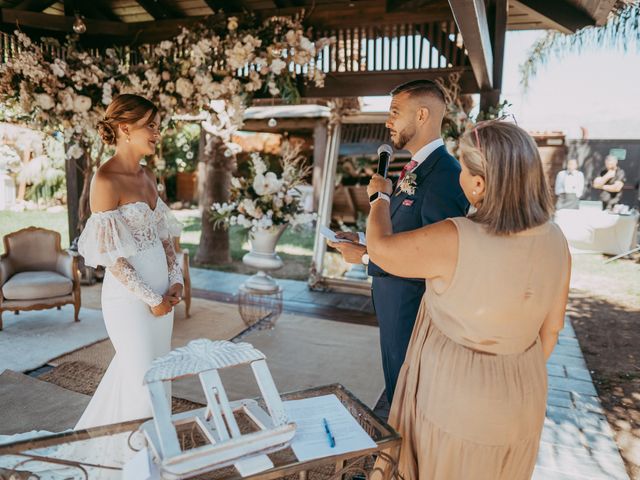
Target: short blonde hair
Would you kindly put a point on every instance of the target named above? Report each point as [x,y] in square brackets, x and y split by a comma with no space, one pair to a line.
[517,195]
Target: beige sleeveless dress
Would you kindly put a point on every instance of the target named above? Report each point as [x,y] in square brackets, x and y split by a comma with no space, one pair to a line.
[470,401]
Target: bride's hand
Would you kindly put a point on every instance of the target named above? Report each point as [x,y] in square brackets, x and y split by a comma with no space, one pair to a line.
[163,308]
[379,184]
[175,291]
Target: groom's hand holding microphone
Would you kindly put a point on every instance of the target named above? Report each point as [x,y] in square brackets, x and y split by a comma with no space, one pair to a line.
[353,251]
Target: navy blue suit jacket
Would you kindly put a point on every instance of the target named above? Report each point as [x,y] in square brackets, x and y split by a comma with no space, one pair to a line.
[437,196]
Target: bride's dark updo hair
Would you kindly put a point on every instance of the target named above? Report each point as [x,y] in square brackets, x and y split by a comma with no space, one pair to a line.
[125,108]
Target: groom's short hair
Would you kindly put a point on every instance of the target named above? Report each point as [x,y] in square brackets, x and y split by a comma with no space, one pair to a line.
[419,88]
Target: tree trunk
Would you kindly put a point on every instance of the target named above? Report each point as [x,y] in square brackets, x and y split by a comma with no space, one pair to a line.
[75,186]
[214,182]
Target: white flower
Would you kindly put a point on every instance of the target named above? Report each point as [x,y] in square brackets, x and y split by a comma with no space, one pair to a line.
[107,94]
[81,104]
[170,87]
[408,184]
[235,182]
[75,151]
[277,66]
[184,87]
[251,209]
[232,23]
[58,68]
[44,101]
[66,99]
[152,77]
[258,164]
[218,106]
[267,184]
[308,45]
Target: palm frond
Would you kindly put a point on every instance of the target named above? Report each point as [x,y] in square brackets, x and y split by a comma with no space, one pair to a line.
[621,32]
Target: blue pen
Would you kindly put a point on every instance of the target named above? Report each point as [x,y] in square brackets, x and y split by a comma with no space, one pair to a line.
[332,441]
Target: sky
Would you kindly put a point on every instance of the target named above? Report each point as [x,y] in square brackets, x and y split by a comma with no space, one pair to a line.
[597,89]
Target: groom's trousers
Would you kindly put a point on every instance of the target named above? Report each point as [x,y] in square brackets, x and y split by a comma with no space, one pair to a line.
[396,302]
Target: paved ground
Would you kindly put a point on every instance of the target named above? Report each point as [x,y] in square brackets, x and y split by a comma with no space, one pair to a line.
[577,442]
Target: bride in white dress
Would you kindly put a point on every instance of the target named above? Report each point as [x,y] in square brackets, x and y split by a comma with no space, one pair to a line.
[130,232]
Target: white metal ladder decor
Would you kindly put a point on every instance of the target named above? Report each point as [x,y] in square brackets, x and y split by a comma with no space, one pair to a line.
[227,446]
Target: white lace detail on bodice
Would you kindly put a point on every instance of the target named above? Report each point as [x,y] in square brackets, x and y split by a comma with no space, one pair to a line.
[111,237]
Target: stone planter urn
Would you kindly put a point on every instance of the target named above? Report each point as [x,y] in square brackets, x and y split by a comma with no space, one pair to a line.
[263,257]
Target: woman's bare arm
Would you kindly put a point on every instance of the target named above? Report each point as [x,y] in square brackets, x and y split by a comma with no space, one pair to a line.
[554,322]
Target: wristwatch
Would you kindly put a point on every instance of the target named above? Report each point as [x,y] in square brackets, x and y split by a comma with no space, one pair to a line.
[365,258]
[378,195]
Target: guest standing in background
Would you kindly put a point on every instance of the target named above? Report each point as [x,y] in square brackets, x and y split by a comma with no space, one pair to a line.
[569,186]
[610,181]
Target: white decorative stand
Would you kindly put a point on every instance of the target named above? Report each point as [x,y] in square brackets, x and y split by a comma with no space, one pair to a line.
[7,191]
[216,421]
[263,256]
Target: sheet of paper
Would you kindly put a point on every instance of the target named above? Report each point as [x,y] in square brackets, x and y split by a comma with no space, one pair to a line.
[331,235]
[311,440]
[141,467]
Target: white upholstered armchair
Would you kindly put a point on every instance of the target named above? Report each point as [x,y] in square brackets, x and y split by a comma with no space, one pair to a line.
[36,274]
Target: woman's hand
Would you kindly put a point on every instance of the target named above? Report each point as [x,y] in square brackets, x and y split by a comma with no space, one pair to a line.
[175,293]
[379,184]
[163,307]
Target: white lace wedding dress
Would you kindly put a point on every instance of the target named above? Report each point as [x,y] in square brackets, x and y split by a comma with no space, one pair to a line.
[135,244]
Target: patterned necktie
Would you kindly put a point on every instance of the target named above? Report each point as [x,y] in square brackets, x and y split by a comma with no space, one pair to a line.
[406,169]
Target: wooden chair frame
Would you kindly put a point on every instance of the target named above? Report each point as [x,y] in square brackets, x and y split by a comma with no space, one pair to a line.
[76,296]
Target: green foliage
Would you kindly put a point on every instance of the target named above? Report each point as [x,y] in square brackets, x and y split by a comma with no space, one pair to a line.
[621,32]
[179,149]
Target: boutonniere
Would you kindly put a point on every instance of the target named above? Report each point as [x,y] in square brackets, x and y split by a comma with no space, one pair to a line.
[408,184]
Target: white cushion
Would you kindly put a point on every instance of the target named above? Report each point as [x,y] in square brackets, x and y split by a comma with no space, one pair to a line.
[31,285]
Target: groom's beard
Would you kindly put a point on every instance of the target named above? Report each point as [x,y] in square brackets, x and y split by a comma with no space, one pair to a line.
[404,137]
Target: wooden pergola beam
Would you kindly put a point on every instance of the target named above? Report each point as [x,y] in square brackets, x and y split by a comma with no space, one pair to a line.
[497,13]
[160,9]
[562,15]
[34,5]
[59,23]
[355,84]
[471,18]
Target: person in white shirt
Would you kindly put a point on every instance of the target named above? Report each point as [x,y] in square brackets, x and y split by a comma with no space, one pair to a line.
[569,186]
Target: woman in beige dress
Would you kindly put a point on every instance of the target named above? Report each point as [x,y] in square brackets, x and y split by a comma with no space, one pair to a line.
[470,401]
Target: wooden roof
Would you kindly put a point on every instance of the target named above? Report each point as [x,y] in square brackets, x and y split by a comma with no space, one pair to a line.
[142,15]
[380,43]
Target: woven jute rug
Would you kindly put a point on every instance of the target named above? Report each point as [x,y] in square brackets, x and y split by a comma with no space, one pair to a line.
[82,377]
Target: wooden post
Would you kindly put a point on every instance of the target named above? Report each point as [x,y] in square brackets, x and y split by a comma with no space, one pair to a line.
[497,12]
[326,196]
[319,153]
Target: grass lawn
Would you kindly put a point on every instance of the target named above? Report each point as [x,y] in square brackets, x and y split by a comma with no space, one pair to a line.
[54,220]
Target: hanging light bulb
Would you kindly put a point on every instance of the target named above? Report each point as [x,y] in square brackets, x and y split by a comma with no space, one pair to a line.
[272,122]
[78,24]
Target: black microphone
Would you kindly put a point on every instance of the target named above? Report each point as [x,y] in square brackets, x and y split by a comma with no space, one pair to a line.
[384,158]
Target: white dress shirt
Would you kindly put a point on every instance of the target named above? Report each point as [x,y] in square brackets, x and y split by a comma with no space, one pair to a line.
[570,182]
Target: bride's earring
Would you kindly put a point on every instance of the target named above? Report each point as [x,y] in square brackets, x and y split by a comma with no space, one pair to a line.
[474,193]
[128,139]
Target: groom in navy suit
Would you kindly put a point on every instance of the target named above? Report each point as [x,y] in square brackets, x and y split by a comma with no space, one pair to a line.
[427,192]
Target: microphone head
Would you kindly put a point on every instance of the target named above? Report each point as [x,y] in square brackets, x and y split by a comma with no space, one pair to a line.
[384,148]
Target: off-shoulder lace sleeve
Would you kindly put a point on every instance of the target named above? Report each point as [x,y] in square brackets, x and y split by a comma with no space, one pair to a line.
[127,275]
[169,228]
[175,272]
[168,225]
[106,238]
